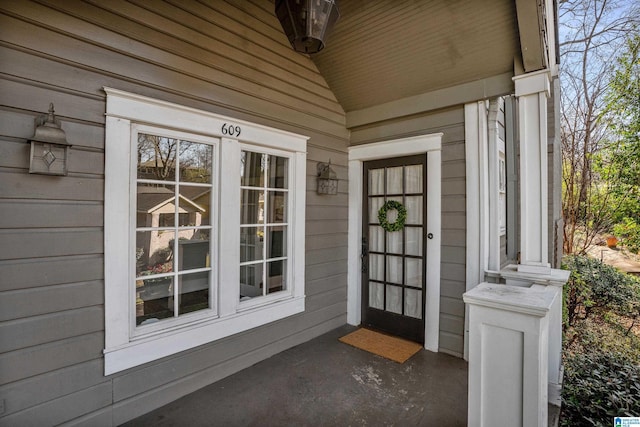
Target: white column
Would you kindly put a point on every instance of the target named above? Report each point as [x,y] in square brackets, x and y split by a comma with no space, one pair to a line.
[354,273]
[493,185]
[532,90]
[475,135]
[508,355]
[551,284]
[477,190]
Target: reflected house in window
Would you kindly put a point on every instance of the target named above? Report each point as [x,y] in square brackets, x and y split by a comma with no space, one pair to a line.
[156,208]
[172,228]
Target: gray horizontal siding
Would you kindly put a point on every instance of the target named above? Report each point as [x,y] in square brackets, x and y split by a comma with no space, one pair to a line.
[104,51]
[63,408]
[44,388]
[38,272]
[44,358]
[50,242]
[229,58]
[329,240]
[453,247]
[15,186]
[29,213]
[46,328]
[50,299]
[14,124]
[326,283]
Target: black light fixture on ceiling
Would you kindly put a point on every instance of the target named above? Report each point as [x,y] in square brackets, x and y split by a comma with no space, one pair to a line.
[307,22]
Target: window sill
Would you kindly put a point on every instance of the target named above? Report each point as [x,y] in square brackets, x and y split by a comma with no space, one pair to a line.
[148,349]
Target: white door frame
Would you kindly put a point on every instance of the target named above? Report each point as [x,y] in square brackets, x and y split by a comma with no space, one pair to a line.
[432,145]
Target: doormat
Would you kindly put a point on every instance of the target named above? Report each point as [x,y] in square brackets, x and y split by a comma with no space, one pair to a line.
[389,347]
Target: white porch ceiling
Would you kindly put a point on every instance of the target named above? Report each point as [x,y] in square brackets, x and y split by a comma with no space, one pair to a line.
[386,50]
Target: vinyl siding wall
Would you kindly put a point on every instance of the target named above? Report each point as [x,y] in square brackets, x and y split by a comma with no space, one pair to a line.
[227,57]
[452,274]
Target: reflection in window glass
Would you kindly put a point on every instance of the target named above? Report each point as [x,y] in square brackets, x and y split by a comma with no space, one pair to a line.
[193,205]
[153,299]
[253,166]
[173,227]
[264,180]
[278,172]
[194,292]
[276,276]
[155,203]
[156,157]
[196,162]
[154,252]
[277,207]
[251,244]
[277,242]
[251,280]
[251,207]
[193,249]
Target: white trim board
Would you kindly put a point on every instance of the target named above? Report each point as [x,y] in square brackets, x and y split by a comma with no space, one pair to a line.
[432,145]
[501,84]
[477,204]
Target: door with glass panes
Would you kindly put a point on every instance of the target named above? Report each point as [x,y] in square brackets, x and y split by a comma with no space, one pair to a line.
[393,246]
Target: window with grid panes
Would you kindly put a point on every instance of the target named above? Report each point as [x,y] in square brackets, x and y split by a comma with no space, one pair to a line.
[204,227]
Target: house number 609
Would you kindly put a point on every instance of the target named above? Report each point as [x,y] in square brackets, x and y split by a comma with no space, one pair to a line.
[231,130]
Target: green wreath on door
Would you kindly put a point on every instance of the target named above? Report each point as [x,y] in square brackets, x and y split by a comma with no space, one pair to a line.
[399,222]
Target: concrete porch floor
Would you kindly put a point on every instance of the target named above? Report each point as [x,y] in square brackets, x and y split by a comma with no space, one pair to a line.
[324,382]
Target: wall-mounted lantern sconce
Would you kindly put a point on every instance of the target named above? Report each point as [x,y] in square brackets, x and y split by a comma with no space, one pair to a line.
[327,179]
[307,23]
[49,146]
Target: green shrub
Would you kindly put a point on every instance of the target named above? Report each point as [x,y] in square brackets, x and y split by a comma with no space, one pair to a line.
[606,332]
[629,231]
[594,285]
[598,387]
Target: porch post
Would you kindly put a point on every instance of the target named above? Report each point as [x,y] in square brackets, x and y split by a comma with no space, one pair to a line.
[532,90]
[508,354]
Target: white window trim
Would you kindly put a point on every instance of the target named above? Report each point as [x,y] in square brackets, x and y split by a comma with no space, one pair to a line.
[122,349]
[431,145]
